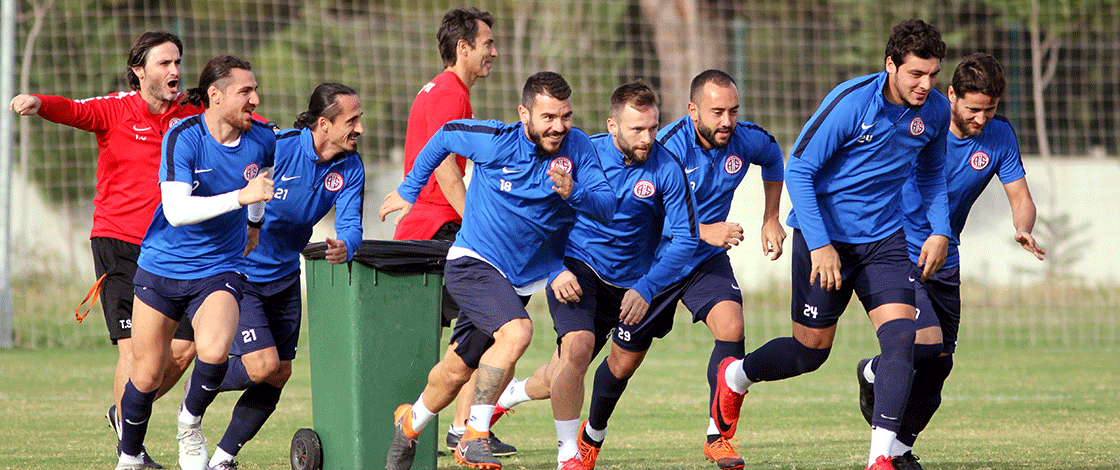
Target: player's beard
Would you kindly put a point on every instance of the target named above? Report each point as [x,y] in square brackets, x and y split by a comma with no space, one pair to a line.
[630,151]
[709,134]
[538,138]
[966,127]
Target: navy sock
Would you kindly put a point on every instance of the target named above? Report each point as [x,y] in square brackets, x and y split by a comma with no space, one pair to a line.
[252,410]
[605,393]
[782,358]
[895,373]
[205,380]
[721,350]
[136,407]
[237,378]
[925,396]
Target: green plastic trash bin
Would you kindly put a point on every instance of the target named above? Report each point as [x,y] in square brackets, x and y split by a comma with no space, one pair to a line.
[374,333]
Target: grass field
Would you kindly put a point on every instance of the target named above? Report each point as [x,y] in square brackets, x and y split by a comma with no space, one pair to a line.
[1005,408]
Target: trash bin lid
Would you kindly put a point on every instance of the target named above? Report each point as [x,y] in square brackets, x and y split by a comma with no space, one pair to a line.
[405,256]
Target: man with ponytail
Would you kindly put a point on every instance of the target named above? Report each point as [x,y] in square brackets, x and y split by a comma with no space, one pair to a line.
[129,126]
[213,165]
[317,167]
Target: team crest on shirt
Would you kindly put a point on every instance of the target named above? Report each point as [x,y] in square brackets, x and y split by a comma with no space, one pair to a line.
[251,171]
[644,189]
[917,126]
[173,122]
[564,163]
[979,160]
[333,181]
[732,164]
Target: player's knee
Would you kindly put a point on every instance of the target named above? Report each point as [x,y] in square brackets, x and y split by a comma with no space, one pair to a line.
[280,377]
[515,334]
[726,321]
[261,365]
[182,354]
[577,347]
[896,340]
[924,353]
[810,359]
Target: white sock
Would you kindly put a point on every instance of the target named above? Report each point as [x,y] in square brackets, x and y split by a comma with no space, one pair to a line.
[597,435]
[736,379]
[881,440]
[458,431]
[712,429]
[219,457]
[126,459]
[567,434]
[480,417]
[186,416]
[898,448]
[868,374]
[420,414]
[513,395]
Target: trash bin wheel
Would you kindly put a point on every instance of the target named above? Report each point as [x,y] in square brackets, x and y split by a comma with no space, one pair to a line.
[307,450]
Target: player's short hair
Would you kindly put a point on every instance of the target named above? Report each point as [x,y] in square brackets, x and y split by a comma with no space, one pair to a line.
[218,69]
[544,83]
[138,55]
[717,77]
[459,23]
[914,37]
[324,103]
[979,73]
[636,94]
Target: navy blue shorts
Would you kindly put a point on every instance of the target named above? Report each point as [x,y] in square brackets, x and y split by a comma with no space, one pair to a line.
[116,260]
[179,298]
[597,311]
[878,272]
[486,302]
[270,314]
[712,282]
[941,296]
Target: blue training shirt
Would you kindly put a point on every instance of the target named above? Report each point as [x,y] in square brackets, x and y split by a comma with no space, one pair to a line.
[191,155]
[846,171]
[970,164]
[513,218]
[305,191]
[713,175]
[650,195]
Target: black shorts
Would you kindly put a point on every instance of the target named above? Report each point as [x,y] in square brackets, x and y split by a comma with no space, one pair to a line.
[450,309]
[487,301]
[179,299]
[116,260]
[270,314]
[712,282]
[941,296]
[596,311]
[879,273]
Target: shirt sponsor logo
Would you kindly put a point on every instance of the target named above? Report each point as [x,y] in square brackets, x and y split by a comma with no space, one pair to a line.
[732,164]
[979,160]
[917,126]
[644,189]
[564,163]
[251,171]
[333,182]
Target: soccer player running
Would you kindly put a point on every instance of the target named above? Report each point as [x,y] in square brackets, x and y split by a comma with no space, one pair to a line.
[530,180]
[845,178]
[466,46]
[191,254]
[715,149]
[129,126]
[980,145]
[612,273]
[317,167]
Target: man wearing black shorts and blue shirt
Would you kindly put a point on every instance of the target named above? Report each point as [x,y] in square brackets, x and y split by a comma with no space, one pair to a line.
[613,272]
[213,166]
[530,179]
[845,178]
[715,150]
[317,169]
[981,145]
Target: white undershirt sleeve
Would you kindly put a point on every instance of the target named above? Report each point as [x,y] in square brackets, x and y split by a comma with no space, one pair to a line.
[181,208]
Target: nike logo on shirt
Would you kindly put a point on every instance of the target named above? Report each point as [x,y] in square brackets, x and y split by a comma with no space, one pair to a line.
[289,178]
[203,170]
[690,170]
[866,126]
[141,129]
[506,170]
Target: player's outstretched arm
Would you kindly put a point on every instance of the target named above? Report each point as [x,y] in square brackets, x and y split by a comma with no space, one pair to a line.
[394,202]
[1023,214]
[25,105]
